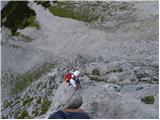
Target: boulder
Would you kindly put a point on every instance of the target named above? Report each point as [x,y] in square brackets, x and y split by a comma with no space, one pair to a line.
[65,97]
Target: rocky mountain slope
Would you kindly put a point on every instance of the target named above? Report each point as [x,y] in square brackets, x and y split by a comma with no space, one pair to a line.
[115,45]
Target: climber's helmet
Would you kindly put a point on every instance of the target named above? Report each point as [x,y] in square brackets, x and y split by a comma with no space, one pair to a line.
[76,73]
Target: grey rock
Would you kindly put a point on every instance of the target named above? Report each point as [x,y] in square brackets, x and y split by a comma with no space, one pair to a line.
[122,44]
[74,103]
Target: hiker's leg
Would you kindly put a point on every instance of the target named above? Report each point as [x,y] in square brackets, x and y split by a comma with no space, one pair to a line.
[78,83]
[73,83]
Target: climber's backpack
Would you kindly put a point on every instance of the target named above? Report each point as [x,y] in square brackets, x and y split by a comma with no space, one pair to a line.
[67,77]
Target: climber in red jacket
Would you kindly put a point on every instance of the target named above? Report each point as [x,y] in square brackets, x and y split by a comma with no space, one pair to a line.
[72,78]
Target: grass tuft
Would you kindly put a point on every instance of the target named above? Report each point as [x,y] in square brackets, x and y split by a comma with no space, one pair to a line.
[148,99]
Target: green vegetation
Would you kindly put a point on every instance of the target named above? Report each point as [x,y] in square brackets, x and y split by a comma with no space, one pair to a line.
[17,15]
[27,101]
[87,11]
[94,75]
[22,81]
[148,99]
[45,4]
[95,72]
[32,23]
[35,113]
[68,9]
[22,115]
[95,78]
[17,33]
[7,103]
[45,104]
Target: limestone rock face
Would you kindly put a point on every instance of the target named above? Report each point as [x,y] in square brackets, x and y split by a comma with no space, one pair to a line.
[105,97]
[117,56]
[107,103]
[102,100]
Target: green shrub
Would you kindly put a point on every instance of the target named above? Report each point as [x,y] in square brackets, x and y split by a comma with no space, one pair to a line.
[45,104]
[148,99]
[22,115]
[95,72]
[18,16]
[32,22]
